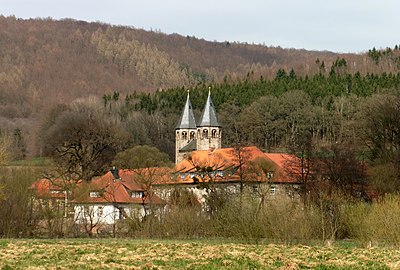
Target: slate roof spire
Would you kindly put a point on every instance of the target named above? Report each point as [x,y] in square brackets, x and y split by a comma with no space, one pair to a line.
[209,116]
[187,118]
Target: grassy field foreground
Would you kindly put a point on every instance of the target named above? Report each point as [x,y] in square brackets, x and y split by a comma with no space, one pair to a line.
[168,254]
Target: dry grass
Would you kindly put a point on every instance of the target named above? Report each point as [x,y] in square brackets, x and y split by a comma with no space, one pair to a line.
[167,254]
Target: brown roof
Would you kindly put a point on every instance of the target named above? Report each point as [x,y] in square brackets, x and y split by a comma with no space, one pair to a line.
[227,160]
[109,189]
[46,188]
[288,167]
[284,167]
[222,158]
[113,190]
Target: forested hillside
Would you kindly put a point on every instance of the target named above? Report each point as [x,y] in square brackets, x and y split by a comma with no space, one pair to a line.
[48,65]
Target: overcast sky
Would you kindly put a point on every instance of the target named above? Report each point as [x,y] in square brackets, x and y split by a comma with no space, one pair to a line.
[334,25]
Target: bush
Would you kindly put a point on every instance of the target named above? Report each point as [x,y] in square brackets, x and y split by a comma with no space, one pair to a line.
[186,222]
[376,222]
[238,218]
[355,220]
[250,218]
[383,222]
[17,218]
[289,222]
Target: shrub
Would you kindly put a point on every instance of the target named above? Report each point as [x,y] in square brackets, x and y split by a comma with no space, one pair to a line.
[376,222]
[383,222]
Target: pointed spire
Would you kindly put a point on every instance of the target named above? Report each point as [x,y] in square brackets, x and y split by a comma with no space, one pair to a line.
[209,117]
[187,118]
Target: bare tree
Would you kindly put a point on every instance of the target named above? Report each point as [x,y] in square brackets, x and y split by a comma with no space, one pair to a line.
[89,217]
[381,133]
[242,159]
[83,143]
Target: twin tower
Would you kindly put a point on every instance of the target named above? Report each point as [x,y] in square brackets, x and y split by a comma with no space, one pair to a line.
[191,137]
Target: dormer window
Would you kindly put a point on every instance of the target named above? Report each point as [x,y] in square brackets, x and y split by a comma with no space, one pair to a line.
[137,194]
[94,194]
[270,175]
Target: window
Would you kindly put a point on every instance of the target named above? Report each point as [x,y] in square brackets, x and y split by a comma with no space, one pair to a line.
[192,174]
[137,194]
[94,194]
[100,211]
[220,173]
[205,133]
[214,133]
[192,135]
[272,190]
[184,135]
[270,175]
[255,188]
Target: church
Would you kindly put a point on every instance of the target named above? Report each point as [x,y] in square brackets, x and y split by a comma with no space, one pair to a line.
[200,158]
[191,136]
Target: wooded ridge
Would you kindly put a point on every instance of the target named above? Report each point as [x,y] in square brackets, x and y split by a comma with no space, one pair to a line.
[46,63]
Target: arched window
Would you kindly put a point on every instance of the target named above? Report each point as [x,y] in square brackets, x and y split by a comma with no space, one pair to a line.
[184,135]
[177,134]
[214,133]
[205,133]
[192,133]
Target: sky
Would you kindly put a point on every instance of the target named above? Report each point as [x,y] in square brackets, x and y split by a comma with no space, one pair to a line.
[333,25]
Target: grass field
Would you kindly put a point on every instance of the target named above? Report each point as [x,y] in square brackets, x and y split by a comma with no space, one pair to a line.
[169,254]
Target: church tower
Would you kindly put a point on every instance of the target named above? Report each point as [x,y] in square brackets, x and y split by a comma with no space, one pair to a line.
[185,132]
[209,130]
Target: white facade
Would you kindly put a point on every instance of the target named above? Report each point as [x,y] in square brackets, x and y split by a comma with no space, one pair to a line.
[106,214]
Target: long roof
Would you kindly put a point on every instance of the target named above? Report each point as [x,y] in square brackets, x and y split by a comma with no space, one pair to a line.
[284,166]
[187,119]
[209,116]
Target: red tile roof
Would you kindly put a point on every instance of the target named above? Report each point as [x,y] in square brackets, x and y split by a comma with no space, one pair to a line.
[109,189]
[46,188]
[227,160]
[288,166]
[113,190]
